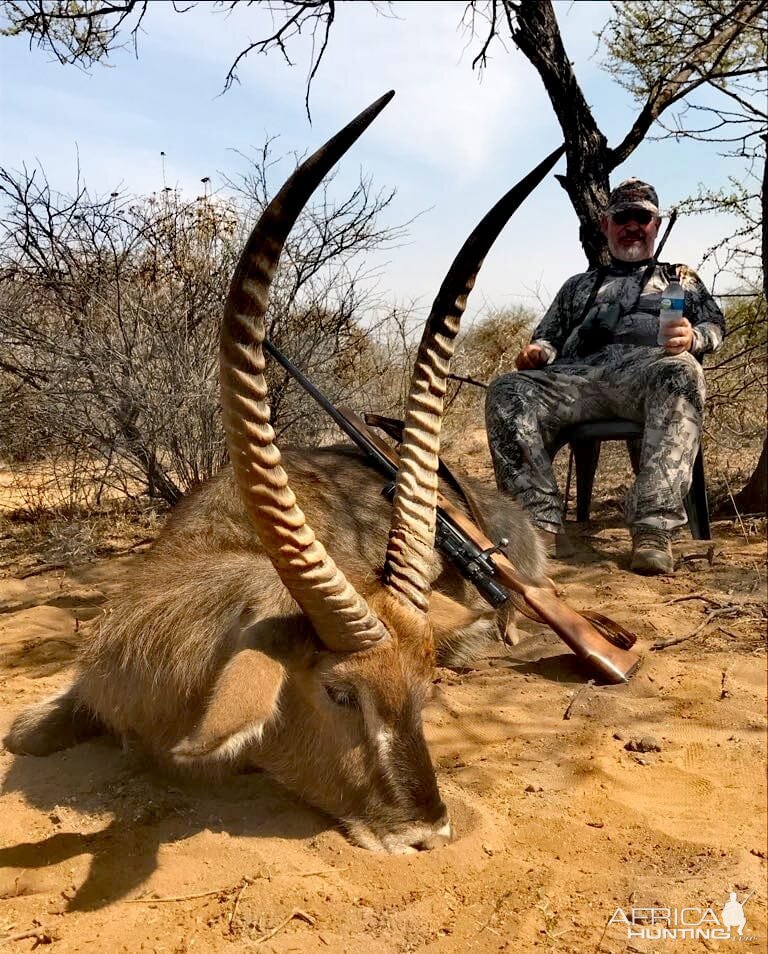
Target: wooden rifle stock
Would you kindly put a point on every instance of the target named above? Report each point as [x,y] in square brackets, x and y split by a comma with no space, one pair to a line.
[614,664]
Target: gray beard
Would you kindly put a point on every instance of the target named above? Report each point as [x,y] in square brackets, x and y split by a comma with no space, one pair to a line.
[637,252]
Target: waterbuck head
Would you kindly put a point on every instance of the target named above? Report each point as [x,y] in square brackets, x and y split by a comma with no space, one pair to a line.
[329,699]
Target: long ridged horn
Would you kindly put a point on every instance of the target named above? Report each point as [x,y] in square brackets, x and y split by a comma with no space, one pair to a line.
[338,613]
[412,531]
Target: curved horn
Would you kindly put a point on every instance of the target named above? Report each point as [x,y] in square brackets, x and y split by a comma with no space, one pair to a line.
[412,531]
[339,615]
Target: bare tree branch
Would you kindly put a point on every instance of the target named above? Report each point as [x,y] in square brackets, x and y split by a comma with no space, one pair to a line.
[701,65]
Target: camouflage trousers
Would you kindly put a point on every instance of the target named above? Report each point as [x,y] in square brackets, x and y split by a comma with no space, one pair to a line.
[526,410]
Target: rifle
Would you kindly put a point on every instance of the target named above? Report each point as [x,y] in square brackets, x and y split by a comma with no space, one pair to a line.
[482,562]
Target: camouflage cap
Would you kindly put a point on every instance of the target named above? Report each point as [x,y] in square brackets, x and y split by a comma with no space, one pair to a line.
[633,194]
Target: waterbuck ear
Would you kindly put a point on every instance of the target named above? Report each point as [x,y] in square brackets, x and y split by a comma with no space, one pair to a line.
[243,700]
[449,618]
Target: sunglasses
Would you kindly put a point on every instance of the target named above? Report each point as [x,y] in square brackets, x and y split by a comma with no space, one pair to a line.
[641,216]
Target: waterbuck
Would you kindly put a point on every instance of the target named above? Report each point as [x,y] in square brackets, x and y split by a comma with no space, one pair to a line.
[241,643]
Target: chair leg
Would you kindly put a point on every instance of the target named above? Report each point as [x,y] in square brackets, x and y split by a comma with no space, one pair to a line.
[634,445]
[586,454]
[696,504]
[569,475]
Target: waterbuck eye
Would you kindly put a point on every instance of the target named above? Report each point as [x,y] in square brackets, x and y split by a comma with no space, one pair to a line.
[343,696]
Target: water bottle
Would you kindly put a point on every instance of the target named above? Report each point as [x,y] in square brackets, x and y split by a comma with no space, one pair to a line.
[672,301]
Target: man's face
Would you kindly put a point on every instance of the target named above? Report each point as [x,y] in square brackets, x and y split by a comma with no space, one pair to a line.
[631,239]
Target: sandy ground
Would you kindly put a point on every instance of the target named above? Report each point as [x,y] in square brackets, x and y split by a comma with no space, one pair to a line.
[558,823]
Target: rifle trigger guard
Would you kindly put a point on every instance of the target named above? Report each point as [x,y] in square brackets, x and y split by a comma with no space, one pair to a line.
[388,490]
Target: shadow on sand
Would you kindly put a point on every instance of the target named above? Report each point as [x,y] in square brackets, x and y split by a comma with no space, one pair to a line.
[148,810]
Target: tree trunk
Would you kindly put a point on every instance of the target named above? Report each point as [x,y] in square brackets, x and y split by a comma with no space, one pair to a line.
[753,497]
[158,482]
[764,210]
[537,36]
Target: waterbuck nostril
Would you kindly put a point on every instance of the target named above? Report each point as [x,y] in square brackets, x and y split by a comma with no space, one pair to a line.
[437,837]
[433,841]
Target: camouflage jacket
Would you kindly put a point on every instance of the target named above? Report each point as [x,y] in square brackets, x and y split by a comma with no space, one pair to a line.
[557,332]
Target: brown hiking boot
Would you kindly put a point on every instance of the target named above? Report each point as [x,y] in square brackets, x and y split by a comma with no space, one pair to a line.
[557,546]
[651,552]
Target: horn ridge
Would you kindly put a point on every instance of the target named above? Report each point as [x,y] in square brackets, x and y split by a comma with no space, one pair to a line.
[340,616]
[412,529]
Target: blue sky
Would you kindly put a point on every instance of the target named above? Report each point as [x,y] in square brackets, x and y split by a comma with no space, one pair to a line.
[451,142]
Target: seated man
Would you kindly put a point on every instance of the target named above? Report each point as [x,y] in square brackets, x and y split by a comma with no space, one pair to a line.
[595,355]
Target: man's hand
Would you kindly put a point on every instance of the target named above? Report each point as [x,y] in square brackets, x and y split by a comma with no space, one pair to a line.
[677,336]
[531,357]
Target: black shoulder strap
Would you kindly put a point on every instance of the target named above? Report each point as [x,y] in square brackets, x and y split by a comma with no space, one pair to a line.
[650,268]
[601,272]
